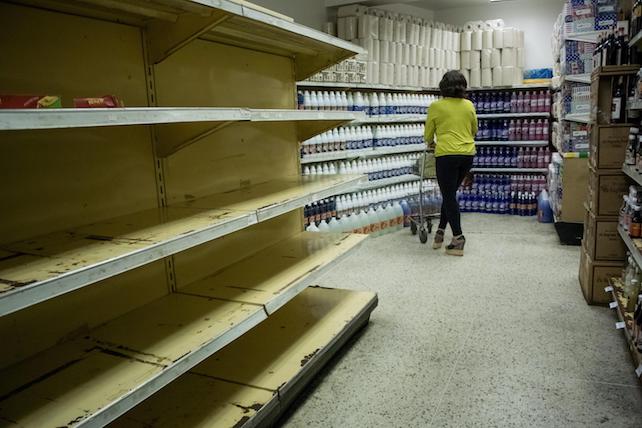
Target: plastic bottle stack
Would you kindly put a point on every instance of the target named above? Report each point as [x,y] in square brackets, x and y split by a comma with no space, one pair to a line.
[377,169]
[512,157]
[513,130]
[500,194]
[372,103]
[512,102]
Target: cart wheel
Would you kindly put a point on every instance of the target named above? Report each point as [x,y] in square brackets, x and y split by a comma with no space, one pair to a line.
[429,226]
[423,235]
[413,227]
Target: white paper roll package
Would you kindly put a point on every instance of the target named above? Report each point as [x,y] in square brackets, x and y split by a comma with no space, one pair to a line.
[466,43]
[399,30]
[399,53]
[508,75]
[376,50]
[475,60]
[509,37]
[457,60]
[495,23]
[368,26]
[487,39]
[464,58]
[390,74]
[498,38]
[498,76]
[519,39]
[486,59]
[373,72]
[519,54]
[486,77]
[495,58]
[350,29]
[456,42]
[383,73]
[384,51]
[406,54]
[466,74]
[509,58]
[477,42]
[475,78]
[386,27]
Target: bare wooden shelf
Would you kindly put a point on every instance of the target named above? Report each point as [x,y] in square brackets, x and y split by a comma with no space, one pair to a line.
[118,365]
[253,379]
[173,24]
[45,267]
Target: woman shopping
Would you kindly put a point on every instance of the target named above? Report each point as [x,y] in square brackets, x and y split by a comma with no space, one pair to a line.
[453,121]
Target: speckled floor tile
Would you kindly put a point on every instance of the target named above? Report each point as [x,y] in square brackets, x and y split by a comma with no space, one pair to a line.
[501,337]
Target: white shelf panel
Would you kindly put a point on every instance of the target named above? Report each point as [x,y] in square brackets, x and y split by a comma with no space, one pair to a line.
[511,170]
[576,78]
[579,118]
[141,352]
[633,174]
[45,267]
[393,118]
[172,24]
[512,143]
[368,185]
[516,115]
[254,379]
[363,153]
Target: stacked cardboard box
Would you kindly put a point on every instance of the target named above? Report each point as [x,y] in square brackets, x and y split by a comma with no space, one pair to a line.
[603,252]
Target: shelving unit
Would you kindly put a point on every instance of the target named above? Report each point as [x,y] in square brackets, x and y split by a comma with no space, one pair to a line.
[511,170]
[632,173]
[381,87]
[369,185]
[537,143]
[140,242]
[579,118]
[513,115]
[363,153]
[616,291]
[393,118]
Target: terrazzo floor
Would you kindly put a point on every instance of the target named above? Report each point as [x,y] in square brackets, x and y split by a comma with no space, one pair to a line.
[499,338]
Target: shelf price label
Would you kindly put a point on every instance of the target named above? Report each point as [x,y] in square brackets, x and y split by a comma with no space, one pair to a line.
[613,305]
[608,289]
[620,325]
[638,371]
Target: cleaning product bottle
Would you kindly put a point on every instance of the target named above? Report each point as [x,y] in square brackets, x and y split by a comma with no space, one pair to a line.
[544,211]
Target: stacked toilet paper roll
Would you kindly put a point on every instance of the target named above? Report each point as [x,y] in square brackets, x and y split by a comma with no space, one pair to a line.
[475,78]
[477,40]
[487,39]
[509,58]
[498,38]
[486,77]
[486,58]
[495,58]
[465,60]
[519,57]
[475,60]
[498,76]
[509,37]
[508,75]
[384,51]
[466,74]
[466,41]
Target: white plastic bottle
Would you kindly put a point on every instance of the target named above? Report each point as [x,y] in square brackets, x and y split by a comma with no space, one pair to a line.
[312,228]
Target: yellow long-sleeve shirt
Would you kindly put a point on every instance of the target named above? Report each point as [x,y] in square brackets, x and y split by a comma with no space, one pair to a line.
[454,122]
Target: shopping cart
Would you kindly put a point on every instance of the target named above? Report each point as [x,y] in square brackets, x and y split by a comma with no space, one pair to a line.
[425,207]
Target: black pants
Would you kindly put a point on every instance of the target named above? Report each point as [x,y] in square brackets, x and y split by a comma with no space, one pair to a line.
[451,171]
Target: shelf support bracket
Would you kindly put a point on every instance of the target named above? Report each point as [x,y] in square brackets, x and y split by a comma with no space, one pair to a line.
[166,146]
[164,39]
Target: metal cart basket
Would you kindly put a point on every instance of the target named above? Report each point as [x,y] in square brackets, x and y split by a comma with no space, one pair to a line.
[421,210]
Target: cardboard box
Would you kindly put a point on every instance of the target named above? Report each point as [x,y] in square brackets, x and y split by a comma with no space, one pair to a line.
[601,239]
[605,190]
[594,277]
[574,179]
[608,146]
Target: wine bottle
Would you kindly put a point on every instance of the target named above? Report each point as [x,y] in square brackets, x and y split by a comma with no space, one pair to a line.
[617,103]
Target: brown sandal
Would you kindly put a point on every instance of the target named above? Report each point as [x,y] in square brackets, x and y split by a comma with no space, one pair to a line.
[456,247]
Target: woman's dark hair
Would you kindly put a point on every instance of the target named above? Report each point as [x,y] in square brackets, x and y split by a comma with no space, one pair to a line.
[453,85]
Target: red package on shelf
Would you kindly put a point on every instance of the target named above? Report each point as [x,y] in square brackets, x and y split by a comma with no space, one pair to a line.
[107,101]
[29,101]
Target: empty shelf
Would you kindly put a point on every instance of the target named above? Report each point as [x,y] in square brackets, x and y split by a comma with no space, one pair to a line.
[44,267]
[278,357]
[122,363]
[172,24]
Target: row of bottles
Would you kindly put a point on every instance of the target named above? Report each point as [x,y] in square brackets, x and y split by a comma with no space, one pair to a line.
[373,103]
[376,220]
[612,48]
[630,218]
[376,168]
[512,157]
[350,202]
[507,183]
[499,202]
[363,137]
[513,130]
[631,288]
[512,102]
[633,156]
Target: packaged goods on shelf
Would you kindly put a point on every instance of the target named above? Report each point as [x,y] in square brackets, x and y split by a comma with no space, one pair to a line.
[512,157]
[371,103]
[511,101]
[579,16]
[347,71]
[107,101]
[502,194]
[377,169]
[512,130]
[574,137]
[576,57]
[576,99]
[630,216]
[29,101]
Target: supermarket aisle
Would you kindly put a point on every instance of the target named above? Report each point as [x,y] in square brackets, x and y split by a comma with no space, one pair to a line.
[501,337]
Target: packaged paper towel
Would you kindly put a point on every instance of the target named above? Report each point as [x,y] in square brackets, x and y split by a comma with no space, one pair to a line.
[498,76]
[518,78]
[383,73]
[384,51]
[406,54]
[466,41]
[398,53]
[520,57]
[456,42]
[477,40]
[420,56]
[508,57]
[486,77]
[508,76]
[376,50]
[351,27]
[390,74]
[373,72]
[486,58]
[495,58]
[495,23]
[498,39]
[475,60]
[466,74]
[368,24]
[487,40]
[475,78]
[457,61]
[399,30]
[464,57]
[509,37]
[386,27]
[520,39]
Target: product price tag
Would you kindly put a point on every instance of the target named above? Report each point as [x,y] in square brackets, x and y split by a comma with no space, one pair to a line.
[613,305]
[620,325]
[608,289]
[638,371]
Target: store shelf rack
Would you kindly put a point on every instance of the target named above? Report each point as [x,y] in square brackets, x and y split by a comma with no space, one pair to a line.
[615,288]
[387,182]
[377,86]
[634,245]
[579,118]
[173,24]
[576,78]
[363,153]
[512,170]
[46,267]
[533,143]
[632,173]
[134,356]
[415,118]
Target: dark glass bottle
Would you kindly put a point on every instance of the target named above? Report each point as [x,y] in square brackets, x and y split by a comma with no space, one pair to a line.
[617,103]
